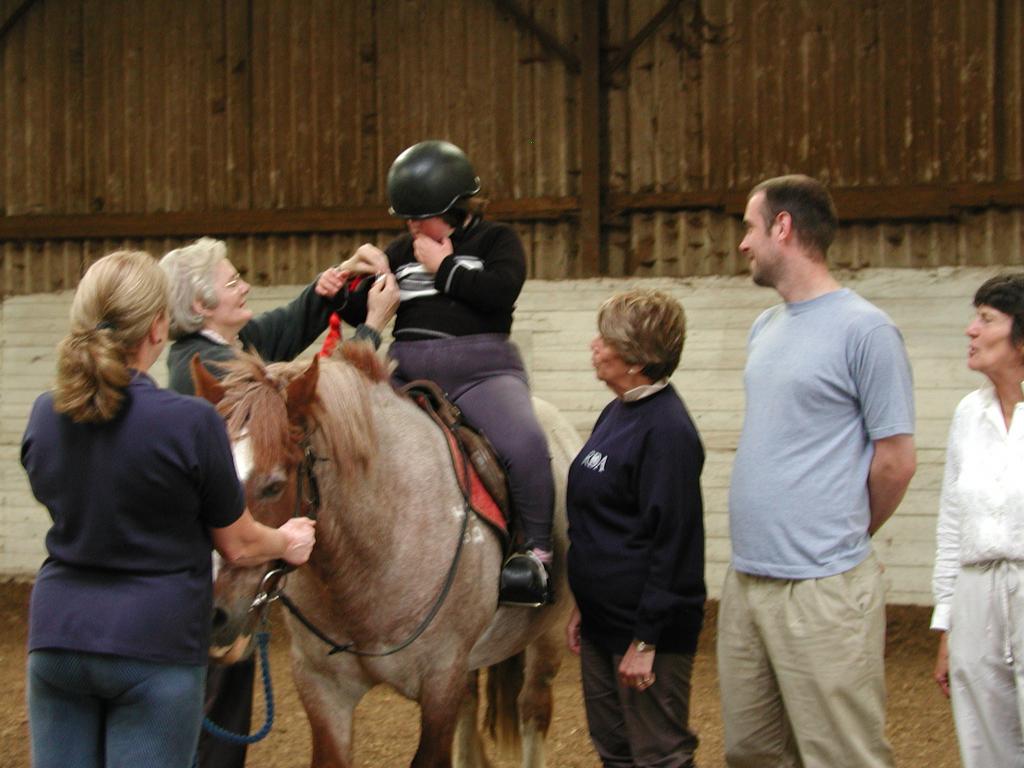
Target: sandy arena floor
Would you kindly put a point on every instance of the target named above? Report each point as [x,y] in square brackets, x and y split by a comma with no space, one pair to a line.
[920,724]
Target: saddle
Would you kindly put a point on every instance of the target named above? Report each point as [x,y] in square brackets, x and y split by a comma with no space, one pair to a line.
[488,491]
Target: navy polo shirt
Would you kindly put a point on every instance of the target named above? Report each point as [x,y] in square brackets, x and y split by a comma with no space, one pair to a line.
[128,569]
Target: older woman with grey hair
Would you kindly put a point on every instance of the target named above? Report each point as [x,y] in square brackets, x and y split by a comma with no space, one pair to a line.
[209,316]
[636,534]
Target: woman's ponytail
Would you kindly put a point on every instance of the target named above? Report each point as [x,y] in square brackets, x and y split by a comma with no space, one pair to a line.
[114,307]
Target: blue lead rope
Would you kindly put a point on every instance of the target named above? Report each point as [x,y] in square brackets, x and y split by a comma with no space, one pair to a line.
[262,641]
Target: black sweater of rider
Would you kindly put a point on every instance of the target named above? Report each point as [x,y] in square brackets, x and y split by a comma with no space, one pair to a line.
[636,527]
[474,290]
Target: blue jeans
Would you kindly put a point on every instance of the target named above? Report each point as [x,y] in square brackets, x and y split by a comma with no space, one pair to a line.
[88,710]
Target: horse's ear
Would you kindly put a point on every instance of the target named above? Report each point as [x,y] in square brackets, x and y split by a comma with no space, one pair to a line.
[206,384]
[302,393]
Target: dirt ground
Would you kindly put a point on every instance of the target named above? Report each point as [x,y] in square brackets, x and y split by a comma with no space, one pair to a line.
[920,724]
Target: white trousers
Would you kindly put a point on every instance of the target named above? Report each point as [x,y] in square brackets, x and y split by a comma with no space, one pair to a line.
[986,664]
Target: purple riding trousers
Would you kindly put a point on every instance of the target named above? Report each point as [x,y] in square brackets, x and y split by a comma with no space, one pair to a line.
[484,376]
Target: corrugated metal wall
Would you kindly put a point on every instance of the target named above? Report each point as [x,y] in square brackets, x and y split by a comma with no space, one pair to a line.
[146,107]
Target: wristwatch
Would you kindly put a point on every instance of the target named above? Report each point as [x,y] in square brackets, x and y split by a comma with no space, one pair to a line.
[642,647]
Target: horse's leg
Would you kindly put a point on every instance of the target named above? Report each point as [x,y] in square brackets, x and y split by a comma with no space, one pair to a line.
[330,701]
[469,747]
[440,700]
[543,660]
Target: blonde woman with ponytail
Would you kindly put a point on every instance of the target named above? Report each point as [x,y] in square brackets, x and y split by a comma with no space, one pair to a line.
[140,485]
[120,304]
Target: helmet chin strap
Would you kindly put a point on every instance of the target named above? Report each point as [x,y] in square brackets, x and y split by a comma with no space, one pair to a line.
[465,224]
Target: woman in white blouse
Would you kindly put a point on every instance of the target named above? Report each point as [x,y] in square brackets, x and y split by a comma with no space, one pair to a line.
[979,564]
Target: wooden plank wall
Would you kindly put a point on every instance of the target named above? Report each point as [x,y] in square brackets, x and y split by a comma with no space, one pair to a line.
[861,93]
[144,106]
[148,107]
[152,106]
[554,323]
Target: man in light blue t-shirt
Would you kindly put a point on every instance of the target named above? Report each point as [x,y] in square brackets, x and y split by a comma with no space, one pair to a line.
[824,459]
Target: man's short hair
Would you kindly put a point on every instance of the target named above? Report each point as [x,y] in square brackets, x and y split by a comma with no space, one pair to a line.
[807,202]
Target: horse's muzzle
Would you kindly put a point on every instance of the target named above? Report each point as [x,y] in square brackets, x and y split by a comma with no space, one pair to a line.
[234,653]
[231,640]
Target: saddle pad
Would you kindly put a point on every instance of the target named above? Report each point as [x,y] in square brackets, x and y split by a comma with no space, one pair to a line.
[479,499]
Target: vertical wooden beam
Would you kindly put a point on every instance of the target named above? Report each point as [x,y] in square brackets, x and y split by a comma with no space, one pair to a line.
[590,123]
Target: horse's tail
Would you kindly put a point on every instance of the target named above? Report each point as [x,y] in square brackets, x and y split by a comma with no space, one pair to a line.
[504,682]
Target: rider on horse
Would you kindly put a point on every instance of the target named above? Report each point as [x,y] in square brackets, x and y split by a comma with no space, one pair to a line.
[459,278]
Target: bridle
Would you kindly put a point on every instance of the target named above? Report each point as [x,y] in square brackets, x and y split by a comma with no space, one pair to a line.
[307,503]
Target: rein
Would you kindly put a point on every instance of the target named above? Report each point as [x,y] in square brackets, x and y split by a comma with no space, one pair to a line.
[269,595]
[262,641]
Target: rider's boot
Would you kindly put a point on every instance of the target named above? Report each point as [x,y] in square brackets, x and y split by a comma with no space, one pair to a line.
[525,580]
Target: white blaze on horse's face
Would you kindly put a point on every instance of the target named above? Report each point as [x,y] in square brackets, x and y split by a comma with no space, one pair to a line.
[270,486]
[242,451]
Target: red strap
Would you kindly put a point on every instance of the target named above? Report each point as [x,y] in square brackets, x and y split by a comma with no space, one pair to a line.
[334,331]
[481,501]
[333,336]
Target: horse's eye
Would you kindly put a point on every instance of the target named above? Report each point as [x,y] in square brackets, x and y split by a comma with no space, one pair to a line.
[271,490]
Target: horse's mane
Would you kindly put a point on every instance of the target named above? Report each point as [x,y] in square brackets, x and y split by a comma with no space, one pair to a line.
[340,419]
[363,356]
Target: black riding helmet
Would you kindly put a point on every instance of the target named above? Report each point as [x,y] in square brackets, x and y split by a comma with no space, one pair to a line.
[428,179]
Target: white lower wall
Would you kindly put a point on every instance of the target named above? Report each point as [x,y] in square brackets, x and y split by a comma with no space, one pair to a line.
[554,324]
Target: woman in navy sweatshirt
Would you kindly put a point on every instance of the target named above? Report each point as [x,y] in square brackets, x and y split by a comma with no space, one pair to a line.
[636,532]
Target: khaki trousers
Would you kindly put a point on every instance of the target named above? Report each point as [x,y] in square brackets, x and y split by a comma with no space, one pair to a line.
[801,670]
[986,664]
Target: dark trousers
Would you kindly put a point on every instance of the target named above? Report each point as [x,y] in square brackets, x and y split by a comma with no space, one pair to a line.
[229,705]
[638,729]
[484,376]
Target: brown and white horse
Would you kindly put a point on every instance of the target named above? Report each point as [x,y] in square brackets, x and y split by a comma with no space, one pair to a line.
[389,524]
